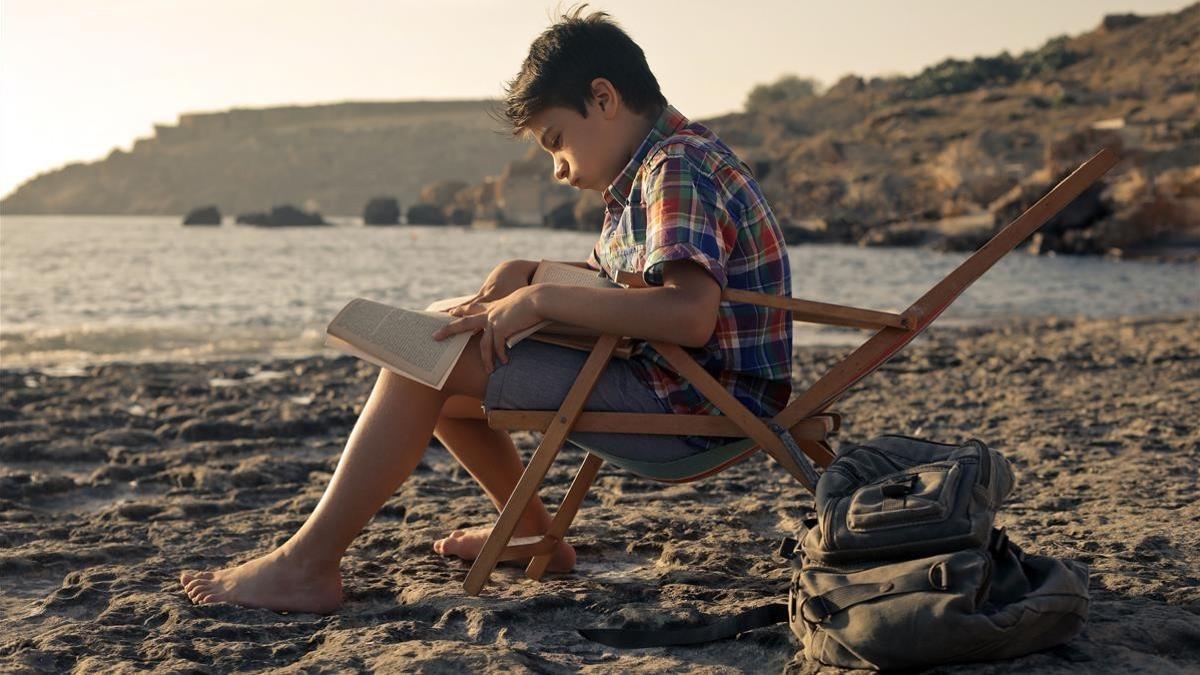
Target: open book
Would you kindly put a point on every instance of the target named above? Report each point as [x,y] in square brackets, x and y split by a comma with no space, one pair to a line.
[401,340]
[398,339]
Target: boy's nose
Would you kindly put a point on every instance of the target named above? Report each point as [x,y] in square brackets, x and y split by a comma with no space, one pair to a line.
[560,173]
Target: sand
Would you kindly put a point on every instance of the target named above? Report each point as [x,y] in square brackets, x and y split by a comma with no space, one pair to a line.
[113,482]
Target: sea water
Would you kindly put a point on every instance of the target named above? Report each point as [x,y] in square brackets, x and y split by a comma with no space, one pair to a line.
[76,290]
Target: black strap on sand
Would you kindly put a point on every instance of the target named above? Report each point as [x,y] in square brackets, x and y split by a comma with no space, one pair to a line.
[631,638]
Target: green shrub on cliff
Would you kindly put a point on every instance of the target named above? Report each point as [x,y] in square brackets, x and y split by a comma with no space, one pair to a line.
[786,88]
[955,76]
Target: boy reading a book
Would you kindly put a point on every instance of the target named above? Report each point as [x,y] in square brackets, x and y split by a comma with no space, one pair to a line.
[682,211]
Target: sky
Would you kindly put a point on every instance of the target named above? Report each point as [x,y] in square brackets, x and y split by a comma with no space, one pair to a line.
[81,77]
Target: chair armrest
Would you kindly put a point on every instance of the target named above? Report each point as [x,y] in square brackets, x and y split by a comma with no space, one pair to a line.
[802,310]
[820,312]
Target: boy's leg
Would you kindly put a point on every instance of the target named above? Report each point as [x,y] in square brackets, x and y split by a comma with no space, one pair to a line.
[387,441]
[493,460]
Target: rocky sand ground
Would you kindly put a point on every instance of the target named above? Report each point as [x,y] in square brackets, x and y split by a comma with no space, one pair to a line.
[113,482]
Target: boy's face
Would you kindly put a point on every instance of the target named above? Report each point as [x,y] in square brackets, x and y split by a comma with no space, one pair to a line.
[588,152]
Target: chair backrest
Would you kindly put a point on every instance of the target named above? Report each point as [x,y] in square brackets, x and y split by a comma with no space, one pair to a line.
[897,330]
[877,350]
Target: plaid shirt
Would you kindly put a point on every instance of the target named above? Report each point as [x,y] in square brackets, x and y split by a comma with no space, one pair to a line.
[684,195]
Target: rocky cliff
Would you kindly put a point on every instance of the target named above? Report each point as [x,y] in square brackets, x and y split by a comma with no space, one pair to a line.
[939,158]
[333,158]
[945,157]
[871,158]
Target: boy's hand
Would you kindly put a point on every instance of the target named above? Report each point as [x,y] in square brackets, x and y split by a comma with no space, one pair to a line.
[498,320]
[507,277]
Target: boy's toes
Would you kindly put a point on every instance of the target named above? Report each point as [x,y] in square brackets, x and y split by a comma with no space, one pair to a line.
[198,589]
[449,545]
[188,575]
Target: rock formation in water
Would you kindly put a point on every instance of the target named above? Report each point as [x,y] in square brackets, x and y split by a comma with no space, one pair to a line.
[425,214]
[382,211]
[281,216]
[526,191]
[451,198]
[205,215]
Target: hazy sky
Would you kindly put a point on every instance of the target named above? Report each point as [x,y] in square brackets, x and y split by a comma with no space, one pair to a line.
[80,77]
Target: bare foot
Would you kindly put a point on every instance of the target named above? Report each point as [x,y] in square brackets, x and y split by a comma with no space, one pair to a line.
[467,544]
[271,582]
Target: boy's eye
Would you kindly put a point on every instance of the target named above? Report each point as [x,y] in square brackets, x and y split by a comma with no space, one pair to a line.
[557,140]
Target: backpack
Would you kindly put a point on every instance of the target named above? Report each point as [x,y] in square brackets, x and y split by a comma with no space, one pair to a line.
[901,567]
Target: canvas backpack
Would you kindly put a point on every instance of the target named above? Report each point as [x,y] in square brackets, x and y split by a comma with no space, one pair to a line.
[900,566]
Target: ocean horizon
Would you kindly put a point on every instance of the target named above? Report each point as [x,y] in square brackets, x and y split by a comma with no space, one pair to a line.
[82,290]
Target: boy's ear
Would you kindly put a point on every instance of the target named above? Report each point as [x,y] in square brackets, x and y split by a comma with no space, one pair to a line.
[606,97]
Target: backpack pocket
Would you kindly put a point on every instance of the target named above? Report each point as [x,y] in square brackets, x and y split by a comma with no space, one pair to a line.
[918,511]
[882,616]
[918,496]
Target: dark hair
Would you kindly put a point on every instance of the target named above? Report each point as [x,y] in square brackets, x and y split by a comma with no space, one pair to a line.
[567,56]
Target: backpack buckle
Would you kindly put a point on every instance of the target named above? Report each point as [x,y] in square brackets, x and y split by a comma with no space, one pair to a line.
[939,576]
[812,615]
[999,542]
[899,488]
[787,548]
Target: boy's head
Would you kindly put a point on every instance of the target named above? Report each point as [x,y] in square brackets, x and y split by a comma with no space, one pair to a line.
[586,95]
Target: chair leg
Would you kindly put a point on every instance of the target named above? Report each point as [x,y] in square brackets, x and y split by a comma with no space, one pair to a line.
[566,512]
[527,487]
[510,516]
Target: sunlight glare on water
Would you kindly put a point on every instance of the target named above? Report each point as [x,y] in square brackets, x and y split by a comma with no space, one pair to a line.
[81,289]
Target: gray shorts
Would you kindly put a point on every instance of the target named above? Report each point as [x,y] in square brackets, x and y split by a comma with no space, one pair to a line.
[538,376]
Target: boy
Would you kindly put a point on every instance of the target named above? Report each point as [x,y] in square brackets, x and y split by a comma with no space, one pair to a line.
[681,209]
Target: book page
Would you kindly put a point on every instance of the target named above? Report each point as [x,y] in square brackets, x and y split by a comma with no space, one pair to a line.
[549,272]
[399,339]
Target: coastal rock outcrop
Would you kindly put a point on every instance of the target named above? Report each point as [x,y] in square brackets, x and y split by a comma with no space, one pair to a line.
[526,191]
[887,160]
[285,215]
[205,215]
[441,193]
[382,211]
[1151,198]
[458,215]
[445,202]
[425,214]
[589,211]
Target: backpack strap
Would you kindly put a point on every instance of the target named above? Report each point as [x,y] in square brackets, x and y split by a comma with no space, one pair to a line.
[797,454]
[693,633]
[816,609]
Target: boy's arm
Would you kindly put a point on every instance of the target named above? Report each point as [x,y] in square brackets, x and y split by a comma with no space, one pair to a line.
[683,310]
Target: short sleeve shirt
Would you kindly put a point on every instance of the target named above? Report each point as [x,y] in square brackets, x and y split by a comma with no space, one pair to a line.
[684,195]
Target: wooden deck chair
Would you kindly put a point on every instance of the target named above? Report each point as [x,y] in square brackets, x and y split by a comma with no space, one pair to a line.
[796,438]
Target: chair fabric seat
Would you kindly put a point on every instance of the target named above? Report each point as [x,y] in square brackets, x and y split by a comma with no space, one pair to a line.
[678,469]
